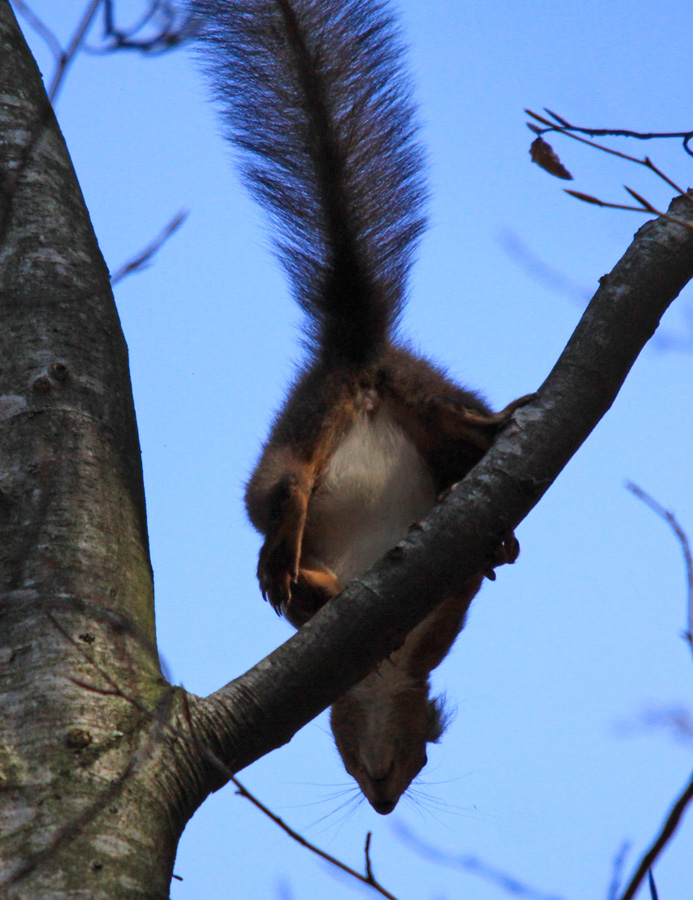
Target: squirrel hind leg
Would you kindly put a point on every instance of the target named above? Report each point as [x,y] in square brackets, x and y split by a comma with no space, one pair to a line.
[506,553]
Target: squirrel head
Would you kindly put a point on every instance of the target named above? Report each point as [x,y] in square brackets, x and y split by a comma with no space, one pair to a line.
[381,728]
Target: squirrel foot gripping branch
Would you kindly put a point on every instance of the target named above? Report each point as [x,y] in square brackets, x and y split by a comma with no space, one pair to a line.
[315,98]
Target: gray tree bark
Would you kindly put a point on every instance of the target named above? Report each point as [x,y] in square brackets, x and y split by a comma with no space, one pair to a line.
[101,761]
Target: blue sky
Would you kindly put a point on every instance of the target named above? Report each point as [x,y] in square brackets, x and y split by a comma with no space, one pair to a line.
[545,770]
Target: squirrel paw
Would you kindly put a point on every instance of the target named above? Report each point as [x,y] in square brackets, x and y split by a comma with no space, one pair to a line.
[505,414]
[277,568]
[495,421]
[506,553]
[277,571]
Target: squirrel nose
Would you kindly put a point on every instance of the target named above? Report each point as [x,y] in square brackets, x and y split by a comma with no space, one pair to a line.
[379,796]
[383,807]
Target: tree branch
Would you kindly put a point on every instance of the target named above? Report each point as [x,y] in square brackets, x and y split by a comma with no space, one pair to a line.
[263,708]
[666,833]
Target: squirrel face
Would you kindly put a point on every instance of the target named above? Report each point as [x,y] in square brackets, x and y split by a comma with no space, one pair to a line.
[381,728]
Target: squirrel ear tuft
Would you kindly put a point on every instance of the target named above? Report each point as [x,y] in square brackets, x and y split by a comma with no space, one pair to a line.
[439,717]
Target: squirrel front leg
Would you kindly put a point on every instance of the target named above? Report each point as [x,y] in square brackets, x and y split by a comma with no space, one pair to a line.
[292,589]
[280,510]
[277,499]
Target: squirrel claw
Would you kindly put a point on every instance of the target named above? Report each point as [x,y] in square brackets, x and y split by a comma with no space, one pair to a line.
[275,585]
[277,569]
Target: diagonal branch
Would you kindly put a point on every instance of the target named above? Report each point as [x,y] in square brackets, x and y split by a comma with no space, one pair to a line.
[263,708]
[666,833]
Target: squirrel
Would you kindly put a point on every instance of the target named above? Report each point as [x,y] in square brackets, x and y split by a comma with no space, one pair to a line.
[315,98]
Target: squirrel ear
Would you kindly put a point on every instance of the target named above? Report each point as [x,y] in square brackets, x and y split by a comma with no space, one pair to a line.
[439,717]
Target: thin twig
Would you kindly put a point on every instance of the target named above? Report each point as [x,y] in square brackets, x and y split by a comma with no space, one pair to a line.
[662,839]
[472,864]
[588,198]
[566,128]
[540,271]
[144,257]
[66,56]
[617,871]
[687,136]
[39,27]
[367,853]
[682,537]
[645,206]
[167,36]
[364,879]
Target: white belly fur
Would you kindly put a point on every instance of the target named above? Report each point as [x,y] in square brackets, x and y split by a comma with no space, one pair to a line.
[373,488]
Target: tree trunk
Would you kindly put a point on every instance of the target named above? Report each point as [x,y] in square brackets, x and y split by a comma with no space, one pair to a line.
[76,587]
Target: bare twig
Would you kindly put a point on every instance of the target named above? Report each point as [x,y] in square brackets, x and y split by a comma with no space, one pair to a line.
[679,807]
[168,35]
[645,161]
[686,136]
[367,852]
[66,56]
[617,871]
[368,878]
[645,206]
[144,257]
[161,16]
[541,272]
[113,690]
[39,27]
[682,537]
[668,828]
[676,719]
[682,343]
[473,865]
[564,127]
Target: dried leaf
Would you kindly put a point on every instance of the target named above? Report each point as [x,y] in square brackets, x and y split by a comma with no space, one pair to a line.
[545,156]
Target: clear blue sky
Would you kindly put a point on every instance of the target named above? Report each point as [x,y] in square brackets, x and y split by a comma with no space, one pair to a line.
[544,772]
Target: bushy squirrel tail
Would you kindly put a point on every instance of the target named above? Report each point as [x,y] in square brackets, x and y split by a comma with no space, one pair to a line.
[314,97]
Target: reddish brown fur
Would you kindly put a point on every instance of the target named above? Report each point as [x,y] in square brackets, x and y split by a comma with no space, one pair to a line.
[316,99]
[381,726]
